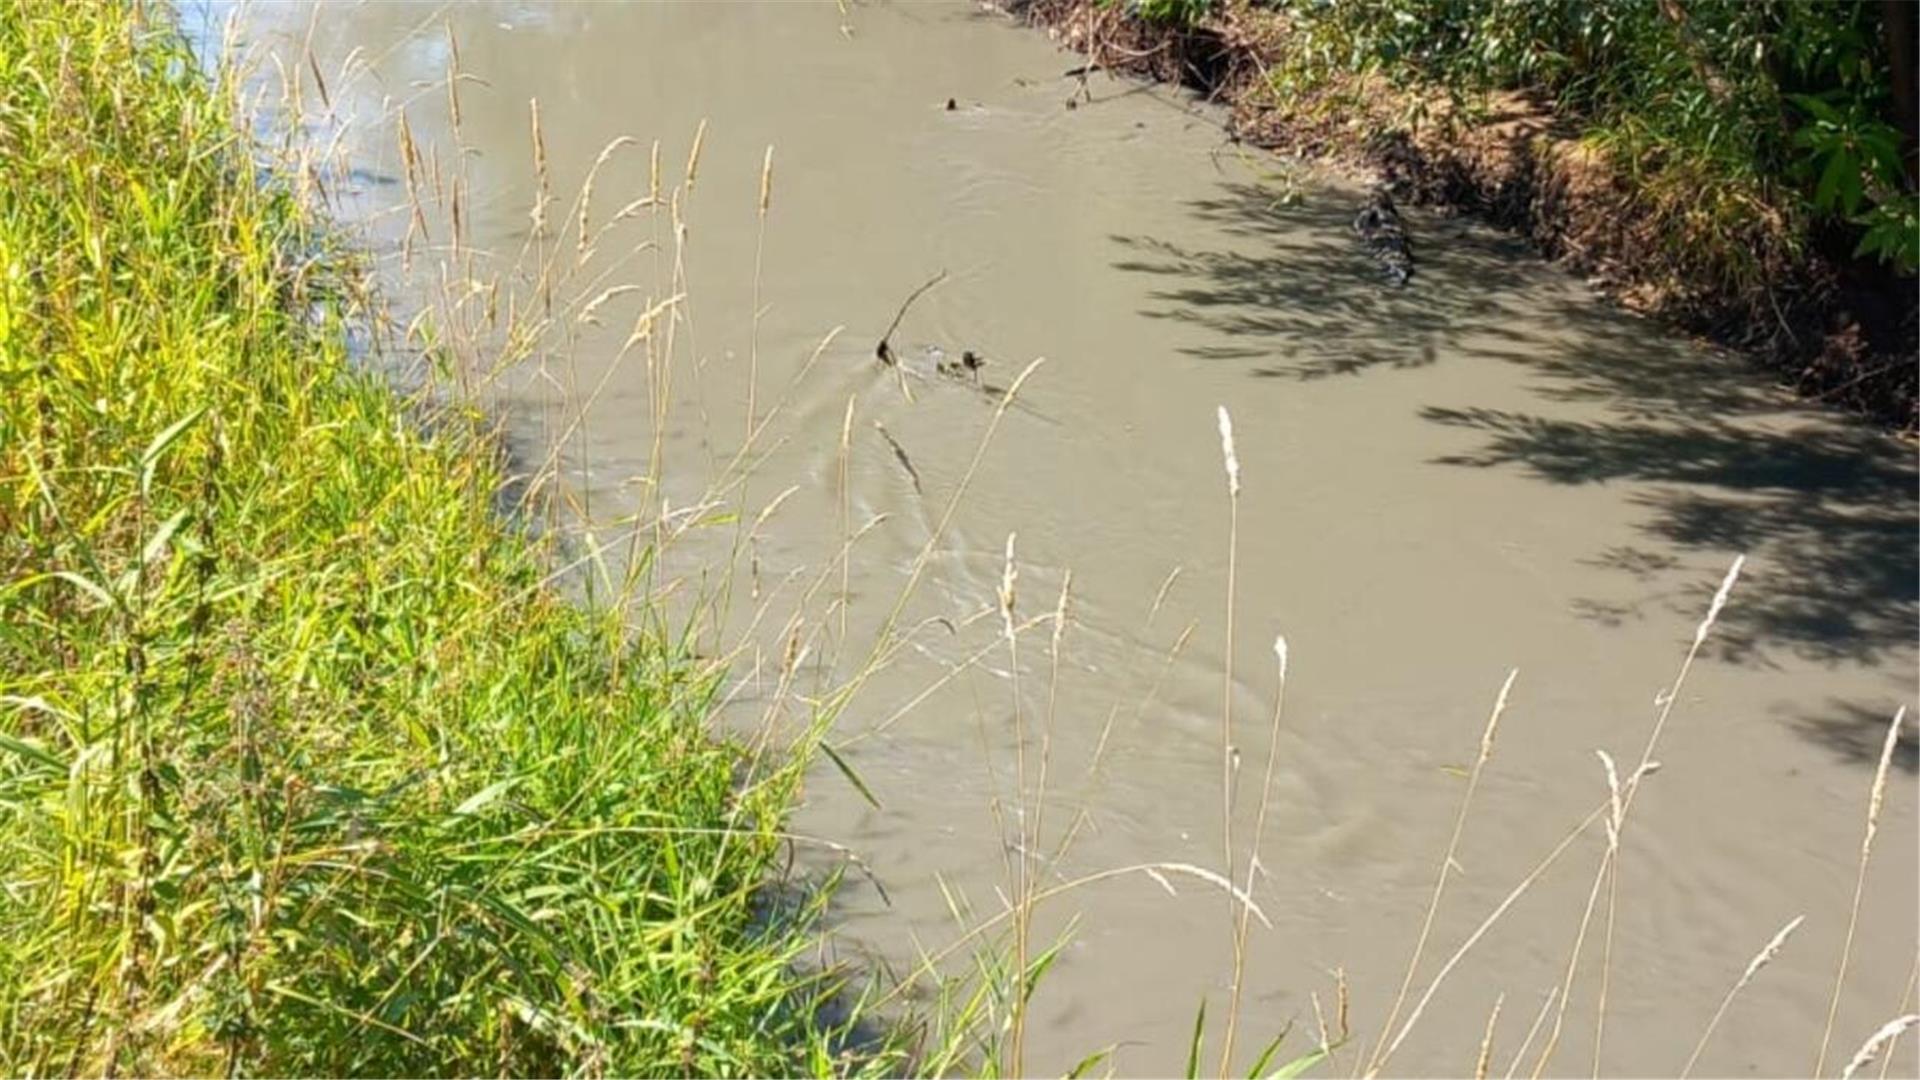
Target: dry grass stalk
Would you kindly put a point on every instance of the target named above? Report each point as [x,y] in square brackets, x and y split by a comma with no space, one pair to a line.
[884,641]
[1760,959]
[1023,879]
[1878,1041]
[846,511]
[1155,871]
[1485,1057]
[1160,595]
[759,251]
[693,154]
[1153,695]
[1054,641]
[1447,863]
[1229,754]
[453,82]
[583,240]
[1259,832]
[1618,820]
[1906,995]
[1615,810]
[544,192]
[1875,800]
[1453,961]
[1539,1020]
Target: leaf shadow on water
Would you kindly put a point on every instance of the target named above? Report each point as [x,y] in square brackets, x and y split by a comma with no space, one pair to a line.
[1310,304]
[1718,461]
[1857,732]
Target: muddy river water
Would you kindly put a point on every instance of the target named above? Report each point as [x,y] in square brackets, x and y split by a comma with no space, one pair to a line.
[1488,470]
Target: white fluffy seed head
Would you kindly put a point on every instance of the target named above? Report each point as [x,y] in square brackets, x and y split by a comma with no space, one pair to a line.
[1892,1030]
[1878,795]
[1719,600]
[1280,651]
[1765,956]
[1613,799]
[1226,452]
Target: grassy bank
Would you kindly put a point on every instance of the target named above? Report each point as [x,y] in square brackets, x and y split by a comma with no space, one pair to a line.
[1744,171]
[304,765]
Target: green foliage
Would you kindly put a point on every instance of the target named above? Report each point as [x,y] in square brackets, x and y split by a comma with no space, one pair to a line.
[1287,1070]
[304,768]
[1783,103]
[1892,231]
[1173,12]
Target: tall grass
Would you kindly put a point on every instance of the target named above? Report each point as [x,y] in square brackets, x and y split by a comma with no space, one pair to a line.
[305,766]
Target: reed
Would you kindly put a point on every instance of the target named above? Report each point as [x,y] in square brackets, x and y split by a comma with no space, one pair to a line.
[1447,861]
[311,766]
[1876,798]
[1760,960]
[1229,753]
[1484,1059]
[1881,1040]
[1619,805]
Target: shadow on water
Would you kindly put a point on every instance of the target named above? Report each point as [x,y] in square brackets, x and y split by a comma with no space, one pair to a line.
[1720,461]
[1857,732]
[1307,306]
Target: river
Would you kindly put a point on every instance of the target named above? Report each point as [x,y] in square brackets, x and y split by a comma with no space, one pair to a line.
[1488,470]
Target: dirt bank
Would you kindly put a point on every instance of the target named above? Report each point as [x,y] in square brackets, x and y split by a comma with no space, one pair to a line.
[1833,328]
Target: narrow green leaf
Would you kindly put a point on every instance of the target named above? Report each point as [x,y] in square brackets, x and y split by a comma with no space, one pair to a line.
[1838,163]
[31,751]
[162,536]
[80,581]
[485,795]
[150,459]
[1299,1066]
[1260,1063]
[1195,1047]
[1081,1067]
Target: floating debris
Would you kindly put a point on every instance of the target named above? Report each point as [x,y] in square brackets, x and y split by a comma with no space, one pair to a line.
[1379,224]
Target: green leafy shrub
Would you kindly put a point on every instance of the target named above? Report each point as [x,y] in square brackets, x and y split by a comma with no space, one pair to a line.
[1786,104]
[1174,12]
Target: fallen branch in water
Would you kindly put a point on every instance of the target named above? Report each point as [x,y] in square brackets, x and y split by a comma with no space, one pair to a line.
[883,352]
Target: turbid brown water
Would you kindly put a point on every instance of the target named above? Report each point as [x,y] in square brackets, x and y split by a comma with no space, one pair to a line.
[1487,470]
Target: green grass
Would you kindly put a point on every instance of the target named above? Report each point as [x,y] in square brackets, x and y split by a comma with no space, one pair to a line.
[305,766]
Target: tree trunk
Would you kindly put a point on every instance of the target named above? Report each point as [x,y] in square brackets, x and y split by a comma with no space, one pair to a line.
[1897,27]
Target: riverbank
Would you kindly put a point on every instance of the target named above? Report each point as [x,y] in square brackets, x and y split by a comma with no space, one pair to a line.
[305,765]
[1710,262]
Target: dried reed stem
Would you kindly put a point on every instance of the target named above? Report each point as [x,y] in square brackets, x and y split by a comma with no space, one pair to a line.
[1253,849]
[1156,871]
[1760,959]
[1485,1057]
[759,249]
[1617,819]
[1539,1019]
[1447,862]
[1875,799]
[1229,754]
[846,512]
[1023,879]
[1906,995]
[1878,1041]
[1479,932]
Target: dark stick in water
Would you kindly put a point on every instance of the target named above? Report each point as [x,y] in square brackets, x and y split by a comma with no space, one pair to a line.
[882,351]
